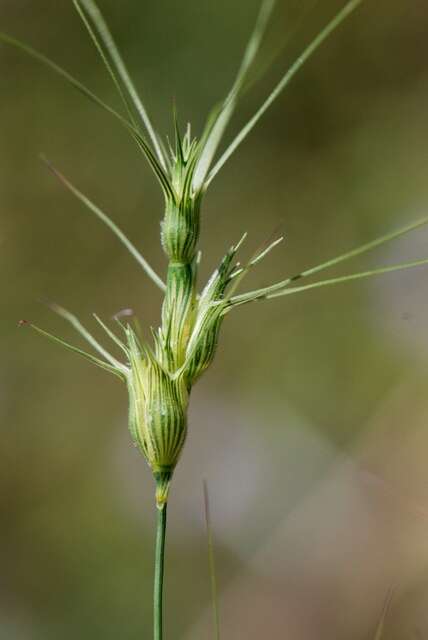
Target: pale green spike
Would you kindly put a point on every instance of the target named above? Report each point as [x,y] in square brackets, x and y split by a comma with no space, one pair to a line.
[107,221]
[84,354]
[120,72]
[75,322]
[218,123]
[111,335]
[295,67]
[368,246]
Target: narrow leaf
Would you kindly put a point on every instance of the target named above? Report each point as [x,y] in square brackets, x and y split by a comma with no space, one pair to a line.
[157,169]
[270,56]
[330,281]
[84,354]
[118,69]
[104,58]
[219,122]
[109,223]
[40,57]
[76,84]
[75,322]
[343,257]
[295,67]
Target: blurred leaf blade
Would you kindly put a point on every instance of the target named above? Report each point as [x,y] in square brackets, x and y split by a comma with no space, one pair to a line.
[216,125]
[323,35]
[379,634]
[211,562]
[107,48]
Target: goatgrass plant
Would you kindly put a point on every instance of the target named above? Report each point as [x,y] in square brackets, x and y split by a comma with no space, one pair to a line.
[160,376]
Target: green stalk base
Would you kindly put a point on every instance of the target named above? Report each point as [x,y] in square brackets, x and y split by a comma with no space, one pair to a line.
[159,572]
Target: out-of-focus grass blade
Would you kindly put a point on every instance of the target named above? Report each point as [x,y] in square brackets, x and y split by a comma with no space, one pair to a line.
[107,48]
[295,67]
[364,248]
[385,609]
[276,49]
[109,223]
[217,126]
[211,561]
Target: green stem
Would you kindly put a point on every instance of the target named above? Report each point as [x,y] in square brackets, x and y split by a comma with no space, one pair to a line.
[159,571]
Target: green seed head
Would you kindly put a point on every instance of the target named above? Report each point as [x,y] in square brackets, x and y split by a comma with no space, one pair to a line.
[158,413]
[180,227]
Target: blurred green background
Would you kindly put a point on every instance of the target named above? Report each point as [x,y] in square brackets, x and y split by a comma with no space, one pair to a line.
[311,428]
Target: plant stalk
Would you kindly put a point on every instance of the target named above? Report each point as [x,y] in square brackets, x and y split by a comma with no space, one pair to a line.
[159,572]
